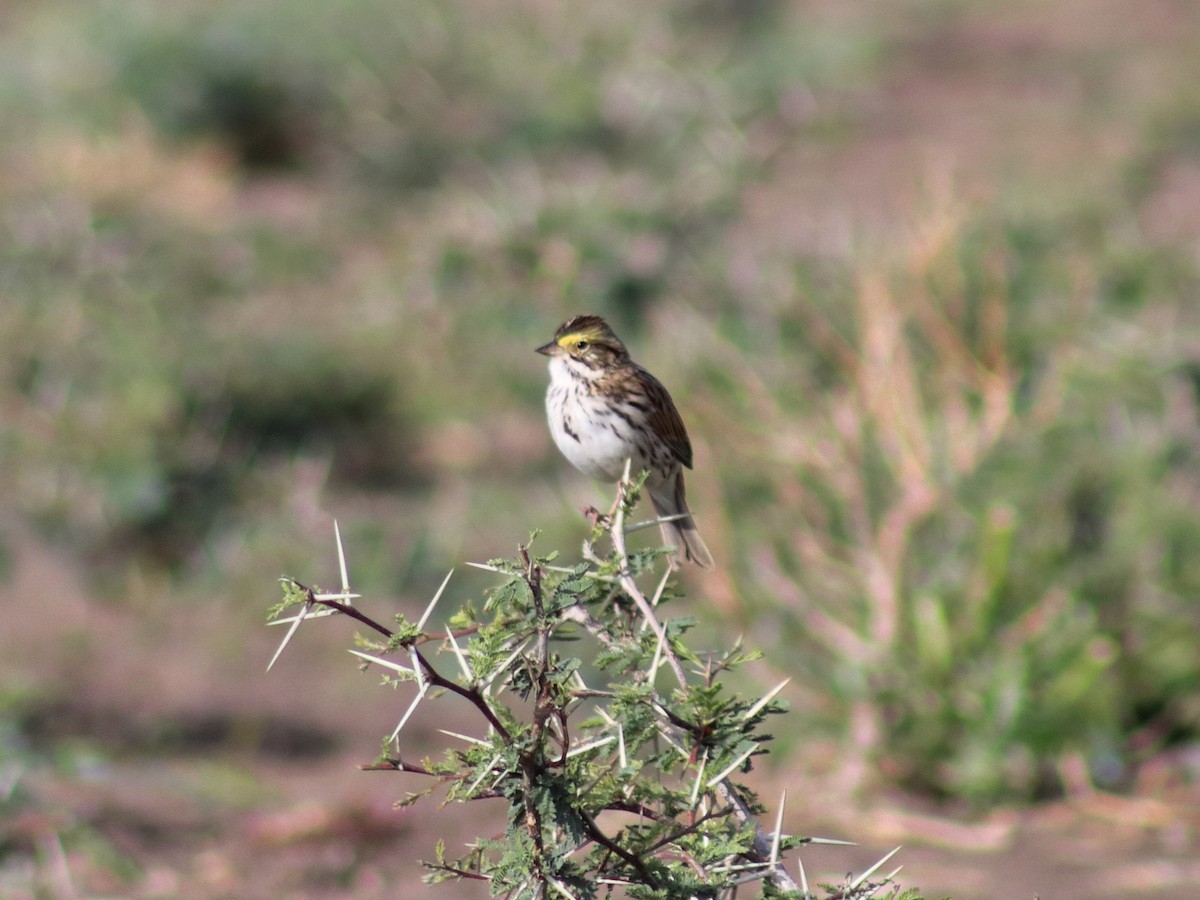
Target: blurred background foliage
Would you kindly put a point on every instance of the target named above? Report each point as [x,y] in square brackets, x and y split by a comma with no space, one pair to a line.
[921,275]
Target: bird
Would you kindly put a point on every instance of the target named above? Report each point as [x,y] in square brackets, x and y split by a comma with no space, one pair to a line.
[604,409]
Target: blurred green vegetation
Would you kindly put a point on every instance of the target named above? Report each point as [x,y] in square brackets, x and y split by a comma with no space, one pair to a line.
[261,264]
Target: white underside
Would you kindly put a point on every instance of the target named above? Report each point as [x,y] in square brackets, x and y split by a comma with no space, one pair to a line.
[594,449]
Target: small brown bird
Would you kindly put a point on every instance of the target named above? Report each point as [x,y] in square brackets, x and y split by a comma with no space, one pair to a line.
[604,409]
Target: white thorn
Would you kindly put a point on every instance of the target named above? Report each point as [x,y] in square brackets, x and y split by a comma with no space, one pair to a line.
[416,665]
[717,779]
[778,829]
[650,523]
[315,614]
[462,660]
[386,663]
[591,745]
[656,661]
[662,584]
[509,660]
[867,874]
[407,714]
[699,779]
[483,771]
[466,737]
[562,890]
[432,603]
[767,698]
[287,637]
[337,534]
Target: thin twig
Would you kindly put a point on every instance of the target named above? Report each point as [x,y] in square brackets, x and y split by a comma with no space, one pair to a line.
[731,798]
[616,532]
[593,832]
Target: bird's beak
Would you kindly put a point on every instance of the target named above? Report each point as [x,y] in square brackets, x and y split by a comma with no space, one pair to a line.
[550,349]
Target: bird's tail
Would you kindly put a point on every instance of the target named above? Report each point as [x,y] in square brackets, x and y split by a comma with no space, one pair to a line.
[671,500]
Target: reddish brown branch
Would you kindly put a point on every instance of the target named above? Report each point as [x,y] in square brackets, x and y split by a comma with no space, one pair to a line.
[593,831]
[436,679]
[348,610]
[432,675]
[461,873]
[399,765]
[689,829]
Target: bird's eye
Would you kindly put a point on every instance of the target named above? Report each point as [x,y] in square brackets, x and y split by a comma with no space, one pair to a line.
[582,345]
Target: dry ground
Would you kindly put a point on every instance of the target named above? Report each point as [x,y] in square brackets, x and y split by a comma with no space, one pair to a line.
[235,783]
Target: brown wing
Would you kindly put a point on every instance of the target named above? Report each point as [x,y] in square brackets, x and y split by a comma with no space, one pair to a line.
[665,419]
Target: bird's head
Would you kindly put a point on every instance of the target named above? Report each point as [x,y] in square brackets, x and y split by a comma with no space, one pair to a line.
[586,340]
